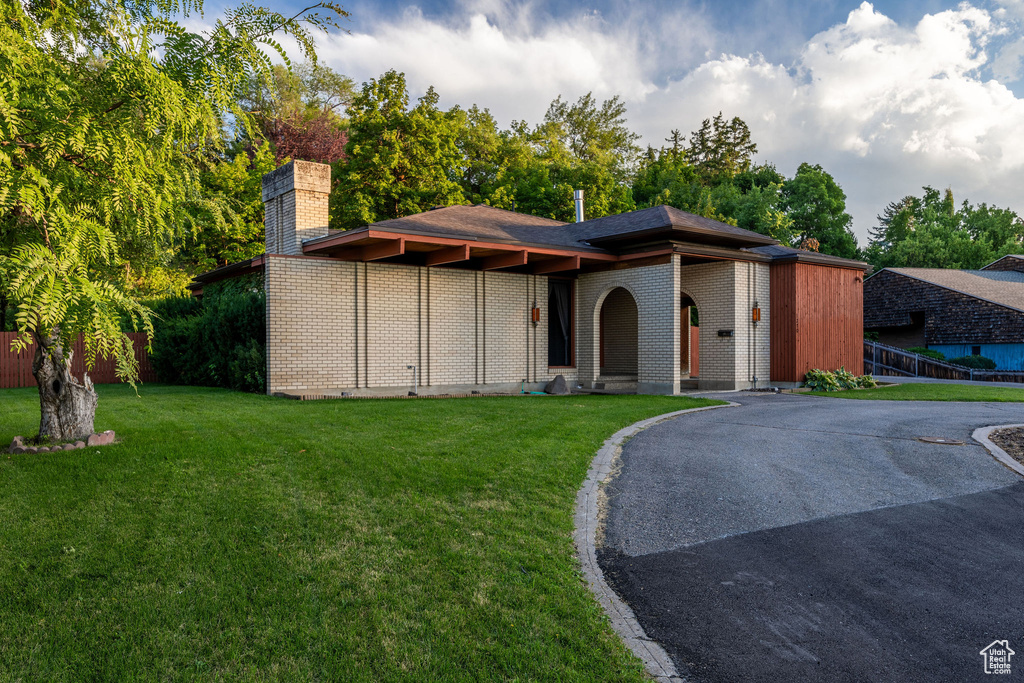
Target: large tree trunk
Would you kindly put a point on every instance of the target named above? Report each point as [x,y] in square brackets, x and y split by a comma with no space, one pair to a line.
[67,406]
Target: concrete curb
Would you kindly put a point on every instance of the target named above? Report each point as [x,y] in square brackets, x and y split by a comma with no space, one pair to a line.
[623,621]
[981,436]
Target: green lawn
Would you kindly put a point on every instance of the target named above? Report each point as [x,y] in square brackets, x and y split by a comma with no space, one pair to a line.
[239,537]
[931,392]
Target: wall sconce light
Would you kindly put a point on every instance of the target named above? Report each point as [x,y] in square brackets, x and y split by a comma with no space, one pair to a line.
[535,314]
[756,314]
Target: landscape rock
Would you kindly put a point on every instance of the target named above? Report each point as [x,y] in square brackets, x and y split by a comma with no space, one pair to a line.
[79,444]
[19,450]
[68,447]
[557,386]
[92,440]
[18,442]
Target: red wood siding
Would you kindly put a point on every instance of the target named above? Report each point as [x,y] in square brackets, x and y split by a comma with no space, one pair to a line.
[817,320]
[694,352]
[16,368]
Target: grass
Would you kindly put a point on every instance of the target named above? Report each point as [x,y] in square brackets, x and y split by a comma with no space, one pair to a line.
[234,536]
[921,391]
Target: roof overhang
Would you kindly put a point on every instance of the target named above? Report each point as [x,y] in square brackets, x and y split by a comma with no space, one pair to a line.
[424,249]
[683,233]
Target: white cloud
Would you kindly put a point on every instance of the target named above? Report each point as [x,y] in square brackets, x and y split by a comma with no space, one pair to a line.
[886,108]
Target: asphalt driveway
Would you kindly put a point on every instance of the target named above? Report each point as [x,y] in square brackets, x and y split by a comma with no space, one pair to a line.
[802,538]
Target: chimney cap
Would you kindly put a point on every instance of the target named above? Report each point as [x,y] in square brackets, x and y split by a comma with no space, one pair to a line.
[297,175]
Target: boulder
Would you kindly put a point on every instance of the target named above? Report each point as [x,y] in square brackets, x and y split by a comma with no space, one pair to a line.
[557,386]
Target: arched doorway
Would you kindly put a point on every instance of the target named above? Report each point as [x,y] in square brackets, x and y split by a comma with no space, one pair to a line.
[689,337]
[619,335]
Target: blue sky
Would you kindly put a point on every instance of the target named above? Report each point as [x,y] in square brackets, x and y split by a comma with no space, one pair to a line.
[887,96]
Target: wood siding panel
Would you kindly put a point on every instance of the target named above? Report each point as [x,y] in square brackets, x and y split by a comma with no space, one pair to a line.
[694,352]
[817,320]
[783,322]
[16,368]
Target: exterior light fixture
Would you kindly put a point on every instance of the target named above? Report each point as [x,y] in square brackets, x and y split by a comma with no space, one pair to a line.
[535,314]
[755,314]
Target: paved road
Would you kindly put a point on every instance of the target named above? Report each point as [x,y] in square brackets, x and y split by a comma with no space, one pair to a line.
[802,538]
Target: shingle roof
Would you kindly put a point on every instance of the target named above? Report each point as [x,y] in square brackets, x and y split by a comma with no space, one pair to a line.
[779,252]
[487,222]
[1003,287]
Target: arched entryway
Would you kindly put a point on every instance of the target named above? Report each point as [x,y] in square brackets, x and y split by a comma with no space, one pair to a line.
[689,337]
[619,337]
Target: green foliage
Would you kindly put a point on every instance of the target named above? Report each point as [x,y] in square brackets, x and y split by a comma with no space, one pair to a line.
[931,232]
[219,341]
[839,380]
[867,382]
[592,134]
[930,353]
[816,205]
[974,362]
[821,380]
[108,114]
[720,149]
[400,161]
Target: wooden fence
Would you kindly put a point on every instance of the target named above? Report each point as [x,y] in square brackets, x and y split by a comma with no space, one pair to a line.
[882,359]
[16,368]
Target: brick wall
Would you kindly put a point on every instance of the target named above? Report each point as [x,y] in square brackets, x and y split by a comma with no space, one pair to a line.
[348,326]
[295,200]
[655,289]
[725,293]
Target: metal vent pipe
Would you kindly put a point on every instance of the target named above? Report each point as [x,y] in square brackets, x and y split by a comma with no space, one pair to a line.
[578,195]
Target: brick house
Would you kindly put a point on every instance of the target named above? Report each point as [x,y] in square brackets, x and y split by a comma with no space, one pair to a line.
[474,298]
[957,312]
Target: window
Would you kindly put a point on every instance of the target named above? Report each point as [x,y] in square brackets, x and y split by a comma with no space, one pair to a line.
[975,350]
[560,323]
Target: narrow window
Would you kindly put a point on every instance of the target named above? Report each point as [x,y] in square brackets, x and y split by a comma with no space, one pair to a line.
[560,323]
[975,350]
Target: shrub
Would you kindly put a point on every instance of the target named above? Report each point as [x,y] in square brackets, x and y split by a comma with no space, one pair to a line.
[219,341]
[930,353]
[841,379]
[974,362]
[845,379]
[867,382]
[871,336]
[821,380]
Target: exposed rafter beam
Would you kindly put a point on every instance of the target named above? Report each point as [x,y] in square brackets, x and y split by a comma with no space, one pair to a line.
[509,260]
[373,252]
[557,265]
[449,255]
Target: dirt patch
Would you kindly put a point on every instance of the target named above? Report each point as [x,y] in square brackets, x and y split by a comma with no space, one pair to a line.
[1011,441]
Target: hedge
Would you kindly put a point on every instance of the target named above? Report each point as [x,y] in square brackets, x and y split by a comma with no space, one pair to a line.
[216,341]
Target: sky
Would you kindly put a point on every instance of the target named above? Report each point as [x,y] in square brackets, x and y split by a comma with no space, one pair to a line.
[888,97]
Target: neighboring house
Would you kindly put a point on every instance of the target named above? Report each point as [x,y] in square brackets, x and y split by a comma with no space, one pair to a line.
[473,298]
[957,312]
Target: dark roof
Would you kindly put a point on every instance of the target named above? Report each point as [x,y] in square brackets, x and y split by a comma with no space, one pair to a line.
[663,222]
[483,222]
[1008,262]
[1003,287]
[778,252]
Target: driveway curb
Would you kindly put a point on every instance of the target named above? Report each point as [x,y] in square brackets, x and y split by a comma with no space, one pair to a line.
[586,519]
[981,436]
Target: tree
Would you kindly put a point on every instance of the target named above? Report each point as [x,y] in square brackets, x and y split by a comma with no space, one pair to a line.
[300,111]
[817,206]
[931,232]
[592,134]
[109,112]
[721,149]
[400,161]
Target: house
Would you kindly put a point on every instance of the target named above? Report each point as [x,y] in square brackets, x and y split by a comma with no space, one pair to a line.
[956,312]
[474,298]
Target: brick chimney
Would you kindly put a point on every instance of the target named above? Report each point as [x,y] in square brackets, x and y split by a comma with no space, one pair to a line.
[295,205]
